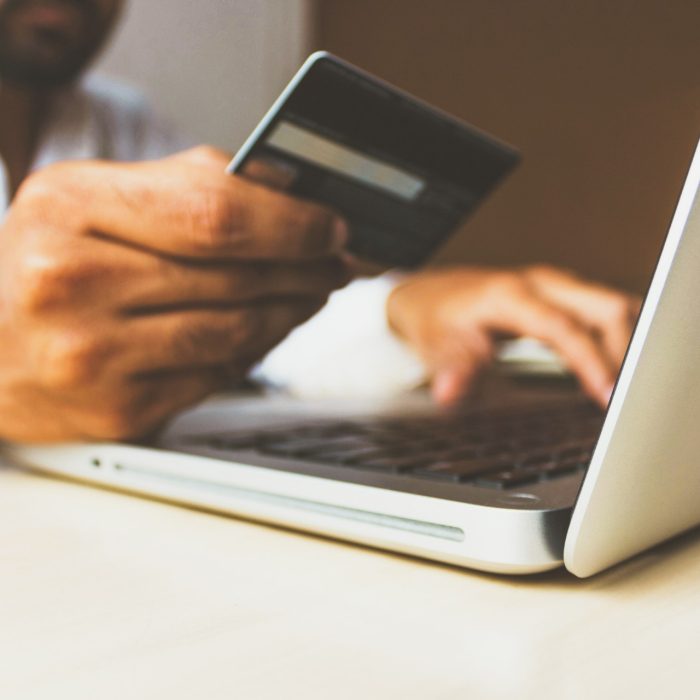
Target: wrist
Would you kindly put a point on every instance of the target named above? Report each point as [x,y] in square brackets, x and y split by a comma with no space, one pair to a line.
[398,309]
[393,312]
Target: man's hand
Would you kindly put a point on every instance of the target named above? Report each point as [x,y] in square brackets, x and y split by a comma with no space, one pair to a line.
[128,291]
[452,317]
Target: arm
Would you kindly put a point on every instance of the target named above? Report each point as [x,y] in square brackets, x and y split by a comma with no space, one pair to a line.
[377,338]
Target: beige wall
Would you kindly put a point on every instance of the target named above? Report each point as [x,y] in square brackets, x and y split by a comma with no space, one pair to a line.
[602,97]
[213,65]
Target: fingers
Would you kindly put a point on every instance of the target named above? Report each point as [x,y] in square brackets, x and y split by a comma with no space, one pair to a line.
[456,362]
[143,282]
[171,393]
[187,206]
[522,313]
[268,172]
[587,325]
[451,384]
[201,338]
[609,312]
[85,358]
[141,406]
[253,282]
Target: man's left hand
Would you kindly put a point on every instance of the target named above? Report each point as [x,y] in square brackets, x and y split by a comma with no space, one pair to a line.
[452,318]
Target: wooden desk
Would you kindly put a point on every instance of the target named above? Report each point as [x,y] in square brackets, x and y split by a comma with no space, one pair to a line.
[108,596]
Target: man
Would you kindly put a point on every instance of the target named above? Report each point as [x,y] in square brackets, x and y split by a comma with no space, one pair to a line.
[128,291]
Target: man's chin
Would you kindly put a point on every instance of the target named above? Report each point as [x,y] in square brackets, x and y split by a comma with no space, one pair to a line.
[41,69]
[37,77]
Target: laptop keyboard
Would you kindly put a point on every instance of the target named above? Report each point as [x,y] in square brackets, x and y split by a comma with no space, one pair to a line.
[495,450]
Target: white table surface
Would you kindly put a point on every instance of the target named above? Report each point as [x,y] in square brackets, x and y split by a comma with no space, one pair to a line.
[104,595]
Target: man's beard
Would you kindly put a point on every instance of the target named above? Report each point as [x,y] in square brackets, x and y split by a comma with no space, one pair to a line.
[44,56]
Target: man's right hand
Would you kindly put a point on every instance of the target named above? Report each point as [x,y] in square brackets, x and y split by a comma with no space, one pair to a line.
[128,290]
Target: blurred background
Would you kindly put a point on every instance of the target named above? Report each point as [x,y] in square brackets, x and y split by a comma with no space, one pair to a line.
[602,98]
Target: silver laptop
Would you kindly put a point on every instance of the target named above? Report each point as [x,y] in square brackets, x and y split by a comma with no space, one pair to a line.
[516,488]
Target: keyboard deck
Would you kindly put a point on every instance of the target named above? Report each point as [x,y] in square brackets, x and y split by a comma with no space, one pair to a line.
[496,450]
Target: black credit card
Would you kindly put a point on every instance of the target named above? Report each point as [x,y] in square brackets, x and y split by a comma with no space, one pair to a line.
[403,174]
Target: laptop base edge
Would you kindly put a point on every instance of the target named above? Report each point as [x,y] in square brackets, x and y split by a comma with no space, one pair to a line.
[514,541]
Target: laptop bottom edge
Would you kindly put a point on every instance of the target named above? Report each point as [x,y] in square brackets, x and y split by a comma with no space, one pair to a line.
[517,540]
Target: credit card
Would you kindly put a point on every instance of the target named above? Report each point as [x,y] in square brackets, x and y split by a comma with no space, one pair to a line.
[403,174]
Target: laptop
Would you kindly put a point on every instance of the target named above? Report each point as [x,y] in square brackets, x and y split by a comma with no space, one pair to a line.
[515,488]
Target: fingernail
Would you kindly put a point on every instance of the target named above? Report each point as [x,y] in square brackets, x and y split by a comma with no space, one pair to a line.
[341,233]
[444,389]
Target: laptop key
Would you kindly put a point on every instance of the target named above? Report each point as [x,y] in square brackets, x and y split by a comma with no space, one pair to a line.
[563,468]
[573,451]
[291,448]
[227,442]
[493,450]
[459,454]
[533,459]
[345,456]
[387,464]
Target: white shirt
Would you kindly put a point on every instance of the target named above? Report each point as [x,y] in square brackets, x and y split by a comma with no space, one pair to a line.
[346,350]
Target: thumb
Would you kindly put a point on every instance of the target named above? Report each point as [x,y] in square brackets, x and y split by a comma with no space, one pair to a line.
[204,156]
